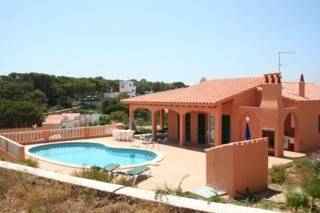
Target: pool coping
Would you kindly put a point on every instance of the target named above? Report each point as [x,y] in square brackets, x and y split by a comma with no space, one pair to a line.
[74,166]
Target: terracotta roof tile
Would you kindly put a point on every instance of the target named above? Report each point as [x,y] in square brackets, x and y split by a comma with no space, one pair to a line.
[208,92]
[213,91]
[291,90]
[59,118]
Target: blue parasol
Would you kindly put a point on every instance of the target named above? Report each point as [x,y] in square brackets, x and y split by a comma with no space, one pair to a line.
[248,132]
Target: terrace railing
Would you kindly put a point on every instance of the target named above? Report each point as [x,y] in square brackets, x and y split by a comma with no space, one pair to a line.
[41,136]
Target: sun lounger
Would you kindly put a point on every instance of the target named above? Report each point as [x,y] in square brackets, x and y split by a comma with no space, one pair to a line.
[136,172]
[207,192]
[111,167]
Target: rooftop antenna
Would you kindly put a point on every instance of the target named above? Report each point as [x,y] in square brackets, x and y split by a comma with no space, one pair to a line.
[279,57]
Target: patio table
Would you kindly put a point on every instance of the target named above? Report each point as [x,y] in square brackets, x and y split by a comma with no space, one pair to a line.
[123,135]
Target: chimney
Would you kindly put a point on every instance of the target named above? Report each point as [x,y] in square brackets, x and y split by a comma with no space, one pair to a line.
[272,78]
[302,86]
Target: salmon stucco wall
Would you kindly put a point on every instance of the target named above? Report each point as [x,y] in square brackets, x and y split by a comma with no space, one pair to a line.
[247,98]
[307,115]
[264,108]
[238,167]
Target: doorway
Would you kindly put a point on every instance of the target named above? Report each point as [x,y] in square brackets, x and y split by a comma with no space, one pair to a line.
[202,120]
[188,128]
[289,132]
[270,134]
[226,129]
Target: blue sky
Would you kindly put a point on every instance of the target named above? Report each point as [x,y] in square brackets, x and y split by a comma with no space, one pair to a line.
[160,40]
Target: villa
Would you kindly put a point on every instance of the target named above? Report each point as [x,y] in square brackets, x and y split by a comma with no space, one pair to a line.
[228,110]
[235,121]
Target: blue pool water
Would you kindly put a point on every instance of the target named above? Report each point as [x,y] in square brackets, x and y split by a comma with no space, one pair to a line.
[92,154]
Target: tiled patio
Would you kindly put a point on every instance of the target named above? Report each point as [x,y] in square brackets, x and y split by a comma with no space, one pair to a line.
[177,163]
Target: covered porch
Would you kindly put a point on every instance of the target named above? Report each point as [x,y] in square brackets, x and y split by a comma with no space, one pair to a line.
[187,125]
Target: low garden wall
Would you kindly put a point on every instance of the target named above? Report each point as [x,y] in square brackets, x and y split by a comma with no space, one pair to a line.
[12,149]
[238,167]
[42,136]
[135,193]
[23,129]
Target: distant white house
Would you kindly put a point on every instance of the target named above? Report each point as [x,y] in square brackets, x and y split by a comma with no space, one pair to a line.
[125,87]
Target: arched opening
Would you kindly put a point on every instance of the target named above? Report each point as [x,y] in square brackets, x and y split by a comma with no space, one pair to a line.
[250,126]
[150,123]
[247,130]
[142,121]
[290,132]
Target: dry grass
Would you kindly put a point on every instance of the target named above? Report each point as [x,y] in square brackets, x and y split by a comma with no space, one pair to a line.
[30,162]
[25,193]
[99,174]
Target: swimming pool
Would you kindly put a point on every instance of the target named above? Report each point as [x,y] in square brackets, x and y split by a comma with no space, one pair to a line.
[87,154]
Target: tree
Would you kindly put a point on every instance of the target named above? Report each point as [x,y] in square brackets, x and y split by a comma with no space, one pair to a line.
[33,93]
[104,119]
[178,85]
[119,116]
[112,105]
[17,114]
[143,86]
[37,96]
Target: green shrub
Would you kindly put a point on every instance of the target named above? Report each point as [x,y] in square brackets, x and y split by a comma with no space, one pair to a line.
[312,188]
[99,174]
[278,174]
[306,167]
[178,191]
[30,162]
[216,199]
[119,116]
[267,204]
[247,197]
[95,173]
[303,163]
[104,119]
[296,199]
